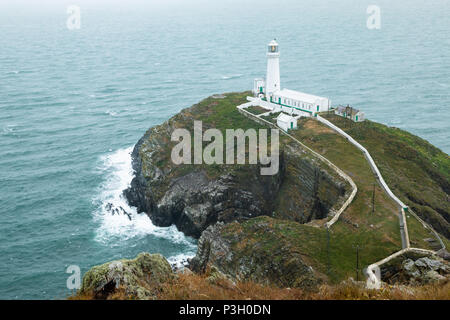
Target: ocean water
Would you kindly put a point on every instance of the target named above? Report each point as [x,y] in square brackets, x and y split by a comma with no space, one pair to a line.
[74,102]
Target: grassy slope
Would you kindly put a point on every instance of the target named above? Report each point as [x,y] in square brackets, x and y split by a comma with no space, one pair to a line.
[415,170]
[351,160]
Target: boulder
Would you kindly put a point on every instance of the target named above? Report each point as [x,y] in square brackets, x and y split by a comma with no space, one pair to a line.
[139,278]
[410,268]
[432,276]
[426,262]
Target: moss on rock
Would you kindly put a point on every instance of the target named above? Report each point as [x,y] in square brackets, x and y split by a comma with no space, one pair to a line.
[139,278]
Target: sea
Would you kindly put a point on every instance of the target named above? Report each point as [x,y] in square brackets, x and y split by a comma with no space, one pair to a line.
[76,95]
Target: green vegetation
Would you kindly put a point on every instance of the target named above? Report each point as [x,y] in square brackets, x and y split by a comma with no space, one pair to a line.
[271,117]
[256,110]
[272,237]
[416,171]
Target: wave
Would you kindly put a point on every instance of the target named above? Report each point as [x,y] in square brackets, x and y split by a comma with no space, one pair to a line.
[179,261]
[111,113]
[117,219]
[18,71]
[234,76]
[10,129]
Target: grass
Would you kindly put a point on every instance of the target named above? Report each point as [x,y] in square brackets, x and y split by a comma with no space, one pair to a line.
[416,171]
[276,235]
[378,231]
[271,117]
[256,110]
[188,286]
[198,287]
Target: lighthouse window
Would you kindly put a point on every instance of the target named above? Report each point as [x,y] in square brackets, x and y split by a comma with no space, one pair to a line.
[273,49]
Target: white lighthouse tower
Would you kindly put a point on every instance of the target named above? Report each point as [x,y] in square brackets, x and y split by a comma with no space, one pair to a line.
[270,95]
[273,69]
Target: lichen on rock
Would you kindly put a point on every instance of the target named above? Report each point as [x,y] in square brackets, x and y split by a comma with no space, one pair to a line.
[138,278]
[413,269]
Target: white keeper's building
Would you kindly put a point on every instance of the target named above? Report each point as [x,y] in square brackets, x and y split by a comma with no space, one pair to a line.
[292,102]
[286,122]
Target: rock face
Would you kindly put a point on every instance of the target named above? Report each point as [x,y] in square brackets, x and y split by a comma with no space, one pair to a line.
[415,270]
[194,197]
[254,250]
[138,277]
[308,192]
[194,201]
[444,254]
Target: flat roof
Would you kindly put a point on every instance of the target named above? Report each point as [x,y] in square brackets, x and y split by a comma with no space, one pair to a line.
[285,118]
[297,95]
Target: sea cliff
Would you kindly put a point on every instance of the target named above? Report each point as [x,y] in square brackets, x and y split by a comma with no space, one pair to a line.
[269,230]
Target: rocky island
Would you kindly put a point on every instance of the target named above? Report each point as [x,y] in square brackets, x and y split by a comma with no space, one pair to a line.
[266,236]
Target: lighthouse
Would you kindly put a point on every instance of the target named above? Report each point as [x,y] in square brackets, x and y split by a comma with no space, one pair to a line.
[273,69]
[269,91]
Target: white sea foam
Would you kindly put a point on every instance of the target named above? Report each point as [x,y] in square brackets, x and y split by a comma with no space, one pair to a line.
[117,219]
[180,260]
[234,76]
[9,129]
[111,113]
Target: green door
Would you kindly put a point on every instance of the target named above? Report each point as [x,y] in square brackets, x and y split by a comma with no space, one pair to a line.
[279,100]
[292,125]
[261,89]
[356,118]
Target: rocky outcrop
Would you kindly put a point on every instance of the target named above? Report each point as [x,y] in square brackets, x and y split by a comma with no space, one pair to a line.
[193,197]
[138,278]
[194,200]
[257,251]
[415,270]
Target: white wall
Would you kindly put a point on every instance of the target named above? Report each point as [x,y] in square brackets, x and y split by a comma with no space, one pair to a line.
[273,73]
[283,125]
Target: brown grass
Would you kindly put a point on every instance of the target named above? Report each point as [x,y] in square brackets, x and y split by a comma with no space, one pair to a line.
[355,292]
[199,287]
